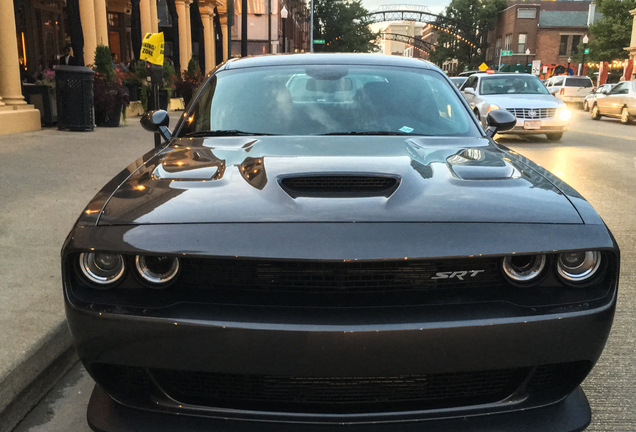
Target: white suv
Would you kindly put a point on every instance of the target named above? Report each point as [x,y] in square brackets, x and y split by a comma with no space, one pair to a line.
[570,88]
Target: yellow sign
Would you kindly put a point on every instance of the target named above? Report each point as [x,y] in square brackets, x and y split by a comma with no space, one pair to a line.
[482,67]
[152,48]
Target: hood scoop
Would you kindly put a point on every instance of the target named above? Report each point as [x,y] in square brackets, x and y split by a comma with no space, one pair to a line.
[340,186]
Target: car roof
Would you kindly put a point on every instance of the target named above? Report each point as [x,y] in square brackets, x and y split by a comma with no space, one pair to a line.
[327,59]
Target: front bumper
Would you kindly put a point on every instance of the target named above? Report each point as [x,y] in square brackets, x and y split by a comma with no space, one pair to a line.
[571,415]
[544,126]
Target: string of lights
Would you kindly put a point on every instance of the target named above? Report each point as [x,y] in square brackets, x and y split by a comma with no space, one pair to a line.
[613,65]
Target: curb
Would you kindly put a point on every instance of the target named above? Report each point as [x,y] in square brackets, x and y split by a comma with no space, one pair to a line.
[36,373]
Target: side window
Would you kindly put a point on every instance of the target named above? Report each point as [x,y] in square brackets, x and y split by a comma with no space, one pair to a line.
[470,82]
[619,89]
[558,82]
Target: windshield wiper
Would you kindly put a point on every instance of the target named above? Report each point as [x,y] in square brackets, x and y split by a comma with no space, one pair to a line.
[230,132]
[371,133]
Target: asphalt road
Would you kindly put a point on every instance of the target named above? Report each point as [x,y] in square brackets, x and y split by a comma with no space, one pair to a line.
[598,158]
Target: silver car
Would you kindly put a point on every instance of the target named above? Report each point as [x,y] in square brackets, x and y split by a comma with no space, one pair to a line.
[537,111]
[620,102]
[600,91]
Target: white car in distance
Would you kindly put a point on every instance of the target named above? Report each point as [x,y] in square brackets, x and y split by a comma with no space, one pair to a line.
[524,95]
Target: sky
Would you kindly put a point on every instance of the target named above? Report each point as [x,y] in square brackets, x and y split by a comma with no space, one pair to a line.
[435,6]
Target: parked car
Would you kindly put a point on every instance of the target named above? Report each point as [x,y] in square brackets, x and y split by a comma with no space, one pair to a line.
[600,91]
[458,80]
[333,242]
[620,102]
[537,111]
[570,88]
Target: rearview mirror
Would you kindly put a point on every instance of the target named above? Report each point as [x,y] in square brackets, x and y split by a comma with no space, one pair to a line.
[500,121]
[157,121]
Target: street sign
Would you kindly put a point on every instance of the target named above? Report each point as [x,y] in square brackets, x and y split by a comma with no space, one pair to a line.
[586,51]
[482,67]
[545,69]
[319,41]
[536,67]
[506,53]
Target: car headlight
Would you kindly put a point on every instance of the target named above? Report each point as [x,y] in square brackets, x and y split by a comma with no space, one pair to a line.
[157,271]
[492,107]
[564,114]
[578,266]
[523,268]
[102,268]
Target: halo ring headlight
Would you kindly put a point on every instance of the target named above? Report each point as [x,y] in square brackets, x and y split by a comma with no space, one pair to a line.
[578,266]
[102,268]
[523,268]
[157,270]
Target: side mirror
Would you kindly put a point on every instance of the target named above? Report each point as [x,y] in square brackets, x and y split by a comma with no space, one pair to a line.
[500,121]
[470,91]
[157,121]
[553,92]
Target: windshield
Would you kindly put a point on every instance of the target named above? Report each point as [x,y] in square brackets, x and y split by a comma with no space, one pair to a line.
[328,99]
[512,84]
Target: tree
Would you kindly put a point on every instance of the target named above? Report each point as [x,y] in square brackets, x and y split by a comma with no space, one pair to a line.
[470,20]
[344,25]
[613,32]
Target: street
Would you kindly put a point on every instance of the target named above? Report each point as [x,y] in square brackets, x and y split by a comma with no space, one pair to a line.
[597,158]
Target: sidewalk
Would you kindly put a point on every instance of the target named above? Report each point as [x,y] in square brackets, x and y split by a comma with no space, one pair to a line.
[46,179]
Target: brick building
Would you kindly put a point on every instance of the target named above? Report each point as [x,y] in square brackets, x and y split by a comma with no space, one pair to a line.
[549,31]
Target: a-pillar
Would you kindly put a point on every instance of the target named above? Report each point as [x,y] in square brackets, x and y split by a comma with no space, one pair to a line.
[145,17]
[15,114]
[189,30]
[154,18]
[87,15]
[101,23]
[183,34]
[208,34]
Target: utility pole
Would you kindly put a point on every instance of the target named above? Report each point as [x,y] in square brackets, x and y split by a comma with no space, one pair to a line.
[311,28]
[244,28]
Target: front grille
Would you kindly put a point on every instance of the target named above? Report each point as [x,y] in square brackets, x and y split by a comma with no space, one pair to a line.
[338,276]
[339,186]
[533,113]
[339,394]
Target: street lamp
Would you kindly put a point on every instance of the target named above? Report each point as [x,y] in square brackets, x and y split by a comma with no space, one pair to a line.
[585,41]
[567,71]
[283,15]
[527,55]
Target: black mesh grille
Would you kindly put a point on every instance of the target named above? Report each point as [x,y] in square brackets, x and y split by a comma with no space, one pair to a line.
[338,394]
[339,186]
[339,276]
[533,113]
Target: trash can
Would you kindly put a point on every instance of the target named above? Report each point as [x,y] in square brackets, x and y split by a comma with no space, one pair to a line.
[74,92]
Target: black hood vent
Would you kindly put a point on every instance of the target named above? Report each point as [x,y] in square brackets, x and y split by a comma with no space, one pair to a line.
[340,186]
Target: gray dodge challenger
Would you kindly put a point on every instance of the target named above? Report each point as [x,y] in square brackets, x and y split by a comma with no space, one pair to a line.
[333,243]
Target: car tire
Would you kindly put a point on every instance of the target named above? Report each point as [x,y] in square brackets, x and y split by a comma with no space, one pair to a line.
[596,114]
[555,136]
[585,106]
[625,117]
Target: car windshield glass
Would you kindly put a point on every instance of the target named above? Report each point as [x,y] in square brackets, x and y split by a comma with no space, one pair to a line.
[511,84]
[578,82]
[329,99]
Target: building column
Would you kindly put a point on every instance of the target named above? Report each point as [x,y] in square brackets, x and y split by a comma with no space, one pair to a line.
[15,114]
[208,34]
[154,17]
[183,54]
[145,17]
[212,42]
[225,37]
[101,23]
[87,15]
[189,30]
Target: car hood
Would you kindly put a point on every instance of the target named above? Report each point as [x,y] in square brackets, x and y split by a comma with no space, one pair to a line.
[246,179]
[523,101]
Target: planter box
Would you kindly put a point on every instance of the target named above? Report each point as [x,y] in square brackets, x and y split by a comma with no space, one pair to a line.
[111,119]
[43,98]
